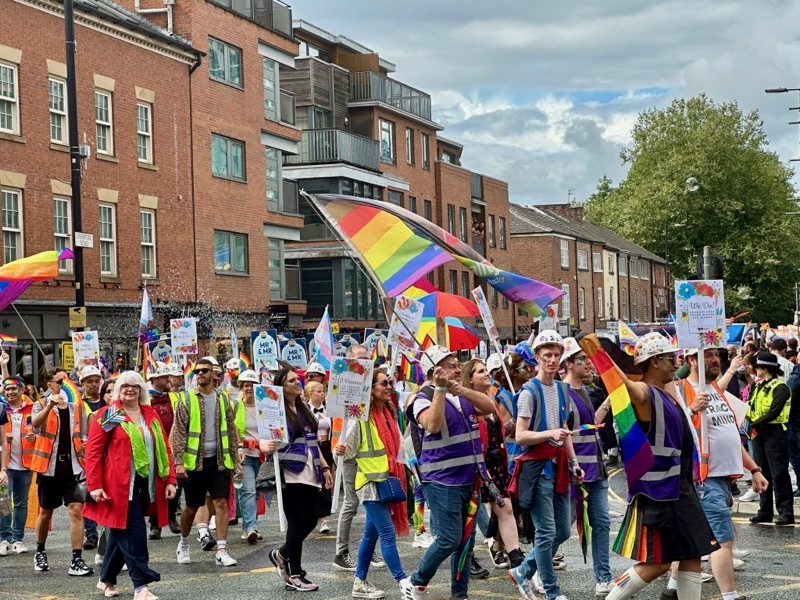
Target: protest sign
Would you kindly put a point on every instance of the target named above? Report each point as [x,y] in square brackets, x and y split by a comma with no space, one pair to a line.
[86,349]
[184,335]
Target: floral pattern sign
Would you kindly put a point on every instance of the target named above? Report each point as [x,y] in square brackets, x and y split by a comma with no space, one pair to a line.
[270,413]
[184,335]
[349,388]
[86,348]
[700,313]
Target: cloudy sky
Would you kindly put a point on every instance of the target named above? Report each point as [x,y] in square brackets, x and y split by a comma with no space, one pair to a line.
[544,94]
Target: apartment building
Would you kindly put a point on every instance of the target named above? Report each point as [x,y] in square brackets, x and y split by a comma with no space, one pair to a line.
[134,114]
[604,276]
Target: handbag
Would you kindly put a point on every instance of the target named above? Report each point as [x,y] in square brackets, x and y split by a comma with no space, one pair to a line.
[81,492]
[390,490]
[265,479]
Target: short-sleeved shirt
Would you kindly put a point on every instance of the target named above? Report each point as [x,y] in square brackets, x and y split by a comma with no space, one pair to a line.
[724,443]
[525,405]
[210,429]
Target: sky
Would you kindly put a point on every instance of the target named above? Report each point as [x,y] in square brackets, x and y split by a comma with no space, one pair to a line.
[544,94]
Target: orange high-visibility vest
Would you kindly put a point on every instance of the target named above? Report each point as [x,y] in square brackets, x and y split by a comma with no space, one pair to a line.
[336,430]
[46,439]
[27,447]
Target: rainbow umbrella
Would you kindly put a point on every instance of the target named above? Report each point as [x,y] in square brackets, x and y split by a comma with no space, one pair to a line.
[421,288]
[441,304]
[469,526]
[582,520]
[458,335]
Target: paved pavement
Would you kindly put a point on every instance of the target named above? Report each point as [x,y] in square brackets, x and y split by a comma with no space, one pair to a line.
[772,570]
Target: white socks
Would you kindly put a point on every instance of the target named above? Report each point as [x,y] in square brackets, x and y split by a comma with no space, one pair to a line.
[730,595]
[672,584]
[689,585]
[627,585]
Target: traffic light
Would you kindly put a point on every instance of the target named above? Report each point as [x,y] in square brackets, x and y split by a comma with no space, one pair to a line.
[716,267]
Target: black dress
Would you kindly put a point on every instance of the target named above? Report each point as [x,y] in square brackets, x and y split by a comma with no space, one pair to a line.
[496,463]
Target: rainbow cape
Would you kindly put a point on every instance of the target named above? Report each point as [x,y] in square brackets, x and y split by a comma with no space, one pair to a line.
[636,450]
[398,247]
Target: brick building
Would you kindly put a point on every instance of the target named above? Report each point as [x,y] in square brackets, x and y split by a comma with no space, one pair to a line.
[134,113]
[604,276]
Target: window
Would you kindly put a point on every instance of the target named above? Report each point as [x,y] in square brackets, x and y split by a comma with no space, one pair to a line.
[270,90]
[308,49]
[292,273]
[147,227]
[583,260]
[144,132]
[505,302]
[387,140]
[12,225]
[409,145]
[58,111]
[611,262]
[494,298]
[426,151]
[581,304]
[227,157]
[633,270]
[610,302]
[597,262]
[274,181]
[623,298]
[643,271]
[224,62]
[450,158]
[230,252]
[395,197]
[462,222]
[491,232]
[451,219]
[104,134]
[566,311]
[453,282]
[427,209]
[643,305]
[62,230]
[623,265]
[9,102]
[501,221]
[412,204]
[465,284]
[564,254]
[600,303]
[634,315]
[275,269]
[108,240]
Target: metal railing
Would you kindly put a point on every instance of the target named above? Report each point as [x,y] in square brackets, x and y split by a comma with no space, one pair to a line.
[291,199]
[287,107]
[366,85]
[272,14]
[335,145]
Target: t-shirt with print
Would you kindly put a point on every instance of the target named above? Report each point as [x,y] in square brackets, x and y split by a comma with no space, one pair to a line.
[724,445]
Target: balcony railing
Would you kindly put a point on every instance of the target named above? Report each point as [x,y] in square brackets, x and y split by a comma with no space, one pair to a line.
[291,200]
[271,14]
[335,145]
[287,107]
[366,85]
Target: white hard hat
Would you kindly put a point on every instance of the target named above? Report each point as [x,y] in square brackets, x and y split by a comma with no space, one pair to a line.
[174,369]
[315,367]
[161,370]
[233,364]
[434,355]
[571,348]
[546,338]
[248,375]
[90,370]
[494,362]
[211,359]
[650,345]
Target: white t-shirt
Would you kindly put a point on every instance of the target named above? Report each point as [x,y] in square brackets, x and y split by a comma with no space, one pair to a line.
[525,405]
[724,445]
[17,420]
[421,404]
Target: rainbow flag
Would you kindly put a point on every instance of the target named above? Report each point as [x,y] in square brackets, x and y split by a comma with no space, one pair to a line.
[398,248]
[8,341]
[626,335]
[18,275]
[71,390]
[244,361]
[636,450]
[421,288]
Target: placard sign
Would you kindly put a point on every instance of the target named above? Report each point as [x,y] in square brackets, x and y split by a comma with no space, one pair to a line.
[264,344]
[86,349]
[271,413]
[700,313]
[184,335]
[349,388]
[486,314]
[405,322]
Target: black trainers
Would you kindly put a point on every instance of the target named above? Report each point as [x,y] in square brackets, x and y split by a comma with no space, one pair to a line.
[207,542]
[40,562]
[90,543]
[343,562]
[155,534]
[299,583]
[515,558]
[174,526]
[78,568]
[477,571]
[499,559]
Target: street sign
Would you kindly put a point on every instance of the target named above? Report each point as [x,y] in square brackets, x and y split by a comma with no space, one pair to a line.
[77,316]
[67,356]
[84,240]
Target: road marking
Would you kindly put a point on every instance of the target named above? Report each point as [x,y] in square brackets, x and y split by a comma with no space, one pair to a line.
[611,492]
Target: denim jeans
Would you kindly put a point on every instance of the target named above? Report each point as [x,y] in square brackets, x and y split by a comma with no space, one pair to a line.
[129,547]
[482,519]
[601,525]
[89,527]
[379,525]
[348,508]
[248,496]
[12,526]
[793,436]
[551,515]
[448,504]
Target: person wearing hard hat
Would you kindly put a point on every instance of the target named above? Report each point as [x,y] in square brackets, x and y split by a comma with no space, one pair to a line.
[158,392]
[664,514]
[546,465]
[315,372]
[231,387]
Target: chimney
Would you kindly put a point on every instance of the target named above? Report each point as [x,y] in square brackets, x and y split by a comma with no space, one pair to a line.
[567,211]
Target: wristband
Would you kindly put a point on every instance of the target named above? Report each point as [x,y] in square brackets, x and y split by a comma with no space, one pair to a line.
[756,470]
[440,389]
[573,461]
[325,469]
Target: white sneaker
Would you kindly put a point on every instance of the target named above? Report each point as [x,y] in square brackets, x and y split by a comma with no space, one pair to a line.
[738,564]
[5,548]
[409,591]
[98,559]
[603,588]
[183,554]
[704,558]
[212,524]
[423,540]
[740,552]
[224,559]
[18,548]
[750,496]
[364,589]
[706,577]
[561,597]
[323,527]
[538,586]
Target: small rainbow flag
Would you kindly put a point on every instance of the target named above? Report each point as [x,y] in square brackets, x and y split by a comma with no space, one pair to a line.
[588,427]
[113,417]
[8,341]
[244,361]
[115,376]
[71,390]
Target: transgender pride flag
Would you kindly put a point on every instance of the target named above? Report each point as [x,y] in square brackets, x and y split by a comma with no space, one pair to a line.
[323,342]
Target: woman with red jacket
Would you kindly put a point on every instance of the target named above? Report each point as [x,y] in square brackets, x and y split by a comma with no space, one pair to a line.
[129,474]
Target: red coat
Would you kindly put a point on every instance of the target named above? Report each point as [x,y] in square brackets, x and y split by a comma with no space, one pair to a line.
[108,466]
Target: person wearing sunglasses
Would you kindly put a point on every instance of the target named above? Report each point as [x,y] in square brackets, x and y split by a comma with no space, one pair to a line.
[17,455]
[205,441]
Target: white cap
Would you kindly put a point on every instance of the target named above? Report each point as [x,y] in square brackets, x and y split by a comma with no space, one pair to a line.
[211,359]
[90,370]
[434,355]
[494,362]
[571,348]
[161,370]
[233,364]
[248,375]
[546,338]
[315,367]
[650,345]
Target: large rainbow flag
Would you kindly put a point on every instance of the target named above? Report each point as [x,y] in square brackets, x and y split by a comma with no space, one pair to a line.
[16,276]
[398,247]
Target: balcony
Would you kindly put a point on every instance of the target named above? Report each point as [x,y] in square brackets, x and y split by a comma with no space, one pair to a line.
[287,107]
[291,200]
[366,86]
[333,146]
[271,14]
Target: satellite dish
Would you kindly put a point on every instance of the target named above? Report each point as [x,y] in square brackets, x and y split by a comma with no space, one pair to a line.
[692,185]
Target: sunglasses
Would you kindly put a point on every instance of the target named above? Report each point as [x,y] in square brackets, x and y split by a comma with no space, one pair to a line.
[384,383]
[667,357]
[57,381]
[201,371]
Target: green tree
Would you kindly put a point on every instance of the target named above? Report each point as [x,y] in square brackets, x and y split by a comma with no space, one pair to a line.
[738,205]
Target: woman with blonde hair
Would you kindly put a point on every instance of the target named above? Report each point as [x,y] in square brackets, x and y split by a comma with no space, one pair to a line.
[315,397]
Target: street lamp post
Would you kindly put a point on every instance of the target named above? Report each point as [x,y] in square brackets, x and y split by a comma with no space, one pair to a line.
[783,90]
